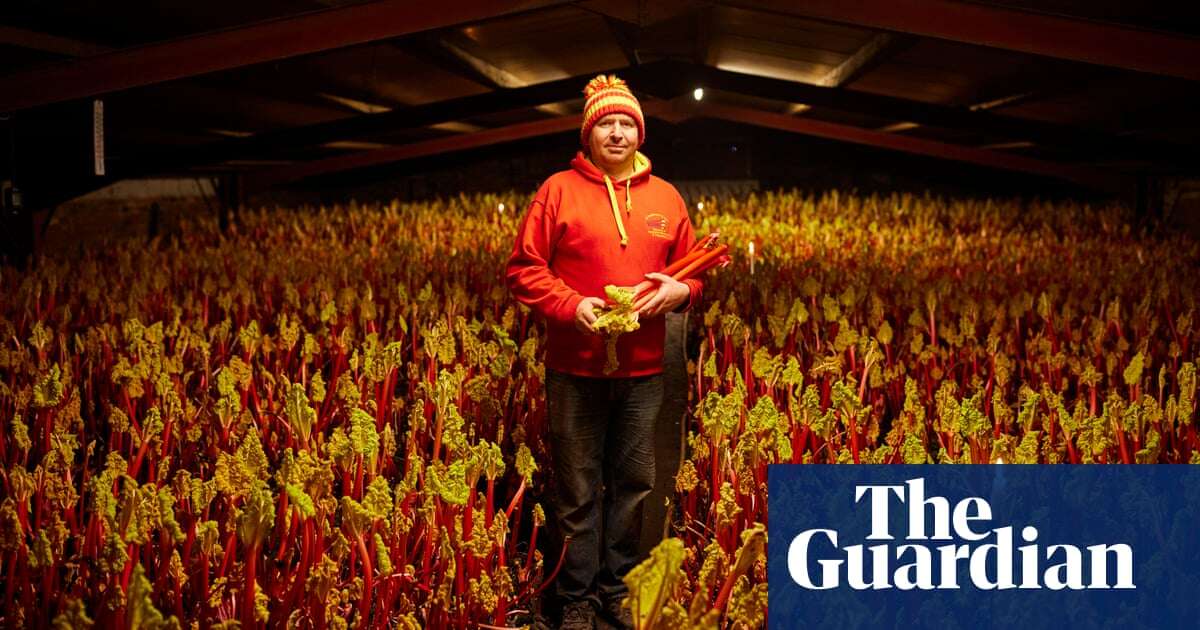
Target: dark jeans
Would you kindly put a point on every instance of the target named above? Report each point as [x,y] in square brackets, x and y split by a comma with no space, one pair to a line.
[601,431]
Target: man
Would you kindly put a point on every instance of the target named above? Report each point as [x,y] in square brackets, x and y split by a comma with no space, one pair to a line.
[604,221]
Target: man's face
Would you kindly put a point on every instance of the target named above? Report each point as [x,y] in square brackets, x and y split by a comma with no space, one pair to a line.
[614,139]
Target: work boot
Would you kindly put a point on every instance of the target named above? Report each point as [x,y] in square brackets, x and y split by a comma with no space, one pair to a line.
[578,616]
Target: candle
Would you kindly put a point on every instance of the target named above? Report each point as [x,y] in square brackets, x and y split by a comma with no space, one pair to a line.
[752,258]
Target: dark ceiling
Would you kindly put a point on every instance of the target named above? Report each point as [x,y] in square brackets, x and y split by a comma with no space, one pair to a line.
[1094,92]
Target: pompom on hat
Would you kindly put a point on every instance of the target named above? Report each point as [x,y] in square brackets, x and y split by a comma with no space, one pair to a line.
[610,95]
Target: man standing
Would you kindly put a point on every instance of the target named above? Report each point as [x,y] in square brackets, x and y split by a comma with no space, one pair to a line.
[604,221]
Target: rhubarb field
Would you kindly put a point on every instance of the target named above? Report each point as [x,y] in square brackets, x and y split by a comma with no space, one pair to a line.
[334,416]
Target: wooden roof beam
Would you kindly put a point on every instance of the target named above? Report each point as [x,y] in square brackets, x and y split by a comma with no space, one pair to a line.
[1010,100]
[1075,39]
[261,180]
[704,25]
[43,42]
[667,80]
[1032,85]
[77,48]
[626,36]
[845,133]
[451,56]
[264,179]
[242,46]
[673,110]
[1087,142]
[490,74]
[543,96]
[866,58]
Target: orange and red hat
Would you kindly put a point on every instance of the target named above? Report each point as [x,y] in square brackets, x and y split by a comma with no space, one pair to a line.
[610,95]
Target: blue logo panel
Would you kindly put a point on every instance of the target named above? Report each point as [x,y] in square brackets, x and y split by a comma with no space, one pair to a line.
[1003,546]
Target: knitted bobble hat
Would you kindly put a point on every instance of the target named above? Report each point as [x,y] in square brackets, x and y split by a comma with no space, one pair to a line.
[609,95]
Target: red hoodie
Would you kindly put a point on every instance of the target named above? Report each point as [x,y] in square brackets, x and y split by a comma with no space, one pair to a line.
[580,235]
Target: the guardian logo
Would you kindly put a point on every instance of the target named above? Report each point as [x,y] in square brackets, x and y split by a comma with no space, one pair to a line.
[976,553]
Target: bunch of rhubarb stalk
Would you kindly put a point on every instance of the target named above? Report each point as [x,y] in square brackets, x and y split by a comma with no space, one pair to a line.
[704,255]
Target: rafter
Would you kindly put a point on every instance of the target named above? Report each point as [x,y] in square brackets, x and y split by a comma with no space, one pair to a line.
[273,177]
[870,55]
[1009,100]
[483,71]
[1031,84]
[909,144]
[216,90]
[1086,142]
[357,105]
[543,96]
[899,127]
[980,24]
[704,24]
[679,109]
[667,80]
[470,65]
[44,42]
[236,47]
[998,146]
[626,36]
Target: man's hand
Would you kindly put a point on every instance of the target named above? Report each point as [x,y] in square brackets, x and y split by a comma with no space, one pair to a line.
[670,294]
[585,316]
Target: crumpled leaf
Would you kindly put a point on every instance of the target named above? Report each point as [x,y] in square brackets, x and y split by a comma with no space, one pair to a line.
[257,515]
[615,321]
[139,607]
[651,582]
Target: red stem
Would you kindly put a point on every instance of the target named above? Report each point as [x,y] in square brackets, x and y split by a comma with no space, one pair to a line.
[364,604]
[516,499]
[248,585]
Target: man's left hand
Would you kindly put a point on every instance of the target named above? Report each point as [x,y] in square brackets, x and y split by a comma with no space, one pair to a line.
[670,294]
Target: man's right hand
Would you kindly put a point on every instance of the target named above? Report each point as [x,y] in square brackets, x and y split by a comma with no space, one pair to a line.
[585,316]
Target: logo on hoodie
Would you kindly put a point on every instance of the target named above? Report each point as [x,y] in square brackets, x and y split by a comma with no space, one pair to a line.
[656,224]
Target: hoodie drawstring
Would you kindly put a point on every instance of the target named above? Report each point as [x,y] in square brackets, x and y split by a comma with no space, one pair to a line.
[640,166]
[612,198]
